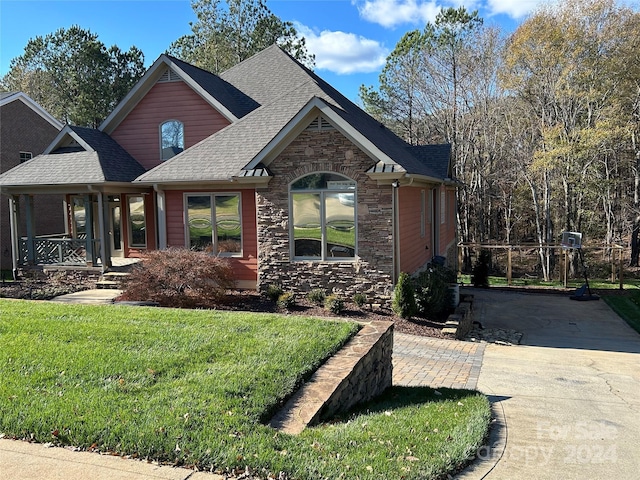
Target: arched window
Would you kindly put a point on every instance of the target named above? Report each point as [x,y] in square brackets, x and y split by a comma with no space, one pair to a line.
[323,217]
[171,139]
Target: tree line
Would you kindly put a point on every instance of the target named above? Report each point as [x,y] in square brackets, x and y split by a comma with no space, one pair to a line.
[544,123]
[77,79]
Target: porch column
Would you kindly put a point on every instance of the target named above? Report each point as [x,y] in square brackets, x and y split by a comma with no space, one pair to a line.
[31,231]
[14,222]
[88,226]
[162,219]
[105,240]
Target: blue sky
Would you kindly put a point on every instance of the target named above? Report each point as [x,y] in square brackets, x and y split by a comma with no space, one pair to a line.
[350,38]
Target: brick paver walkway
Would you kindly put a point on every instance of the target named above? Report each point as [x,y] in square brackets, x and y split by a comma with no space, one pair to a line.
[435,362]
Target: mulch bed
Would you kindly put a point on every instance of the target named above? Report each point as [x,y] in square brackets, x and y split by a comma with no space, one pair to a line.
[242,301]
[39,289]
[253,302]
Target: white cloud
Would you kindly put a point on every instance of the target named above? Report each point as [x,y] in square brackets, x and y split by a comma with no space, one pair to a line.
[344,53]
[391,13]
[514,8]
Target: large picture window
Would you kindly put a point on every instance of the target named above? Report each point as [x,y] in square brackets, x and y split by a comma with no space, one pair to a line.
[213,223]
[323,217]
[171,139]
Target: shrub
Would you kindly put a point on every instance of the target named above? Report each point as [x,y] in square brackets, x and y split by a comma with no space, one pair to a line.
[179,277]
[334,304]
[480,273]
[360,299]
[404,300]
[287,300]
[274,292]
[316,296]
[433,295]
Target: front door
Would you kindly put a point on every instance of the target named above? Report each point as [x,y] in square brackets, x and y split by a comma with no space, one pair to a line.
[115,227]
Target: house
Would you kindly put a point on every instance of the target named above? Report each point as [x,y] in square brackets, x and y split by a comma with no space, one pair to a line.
[26,129]
[266,165]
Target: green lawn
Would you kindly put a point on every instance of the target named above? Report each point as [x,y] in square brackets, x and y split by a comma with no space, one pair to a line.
[195,388]
[628,307]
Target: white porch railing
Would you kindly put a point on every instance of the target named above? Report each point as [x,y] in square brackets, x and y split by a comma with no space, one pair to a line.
[55,249]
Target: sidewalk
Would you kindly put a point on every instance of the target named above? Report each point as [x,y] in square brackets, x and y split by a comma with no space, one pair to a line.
[96,296]
[34,461]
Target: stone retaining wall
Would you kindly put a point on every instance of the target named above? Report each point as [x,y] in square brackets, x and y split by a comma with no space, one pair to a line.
[87,278]
[359,372]
[370,376]
[460,322]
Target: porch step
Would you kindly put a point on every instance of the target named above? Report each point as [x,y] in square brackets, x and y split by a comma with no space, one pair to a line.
[111,280]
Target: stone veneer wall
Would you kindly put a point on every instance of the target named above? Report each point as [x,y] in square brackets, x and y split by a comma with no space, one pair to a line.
[372,271]
[78,276]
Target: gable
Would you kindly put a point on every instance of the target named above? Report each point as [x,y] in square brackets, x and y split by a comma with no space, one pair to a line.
[19,99]
[77,156]
[224,97]
[22,130]
[168,99]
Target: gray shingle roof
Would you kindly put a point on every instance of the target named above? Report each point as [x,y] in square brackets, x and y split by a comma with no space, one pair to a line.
[267,75]
[434,157]
[108,162]
[283,87]
[238,102]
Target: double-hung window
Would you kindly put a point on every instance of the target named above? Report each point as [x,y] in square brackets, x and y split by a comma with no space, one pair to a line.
[323,217]
[214,223]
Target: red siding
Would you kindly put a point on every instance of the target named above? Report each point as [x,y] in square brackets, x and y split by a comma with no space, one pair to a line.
[175,218]
[245,268]
[415,248]
[139,132]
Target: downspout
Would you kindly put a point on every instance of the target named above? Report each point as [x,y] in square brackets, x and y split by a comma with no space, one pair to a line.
[396,230]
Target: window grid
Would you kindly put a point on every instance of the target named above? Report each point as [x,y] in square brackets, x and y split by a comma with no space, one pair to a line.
[220,231]
[337,236]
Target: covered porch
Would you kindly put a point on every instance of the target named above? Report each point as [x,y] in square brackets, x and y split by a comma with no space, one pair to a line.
[101,230]
[105,215]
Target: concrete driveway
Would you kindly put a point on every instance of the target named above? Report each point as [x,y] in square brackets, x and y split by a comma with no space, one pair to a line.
[566,401]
